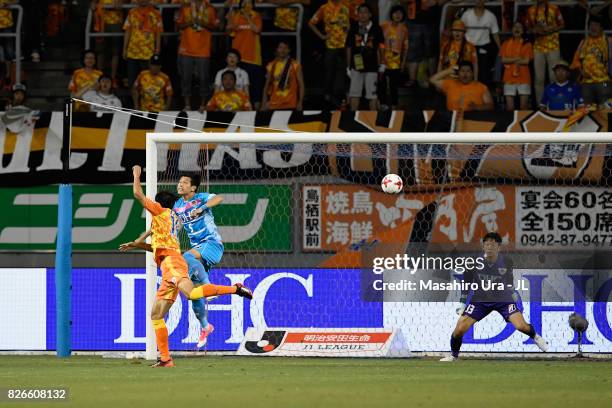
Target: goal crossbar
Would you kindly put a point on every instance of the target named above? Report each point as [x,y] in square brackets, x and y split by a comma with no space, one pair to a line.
[435,138]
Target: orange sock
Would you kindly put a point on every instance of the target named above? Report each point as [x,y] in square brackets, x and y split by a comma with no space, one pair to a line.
[161,334]
[211,290]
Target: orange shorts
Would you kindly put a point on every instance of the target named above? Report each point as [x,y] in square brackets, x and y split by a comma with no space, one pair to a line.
[174,268]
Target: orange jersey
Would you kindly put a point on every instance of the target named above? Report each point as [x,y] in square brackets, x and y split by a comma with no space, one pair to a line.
[144,25]
[336,21]
[232,101]
[592,58]
[286,18]
[196,42]
[164,230]
[460,96]
[82,78]
[153,89]
[6,16]
[449,55]
[513,48]
[353,6]
[107,15]
[553,18]
[283,91]
[245,40]
[396,43]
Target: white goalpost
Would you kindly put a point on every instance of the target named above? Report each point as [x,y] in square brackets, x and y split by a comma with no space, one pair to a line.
[462,207]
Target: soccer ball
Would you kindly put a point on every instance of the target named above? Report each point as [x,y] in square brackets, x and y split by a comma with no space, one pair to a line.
[392,184]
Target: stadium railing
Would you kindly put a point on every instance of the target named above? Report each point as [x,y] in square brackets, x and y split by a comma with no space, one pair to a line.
[89,34]
[16,35]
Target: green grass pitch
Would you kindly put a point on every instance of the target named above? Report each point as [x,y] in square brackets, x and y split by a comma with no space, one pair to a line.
[312,382]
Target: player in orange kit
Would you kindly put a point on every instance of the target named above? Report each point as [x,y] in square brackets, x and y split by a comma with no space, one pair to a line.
[167,251]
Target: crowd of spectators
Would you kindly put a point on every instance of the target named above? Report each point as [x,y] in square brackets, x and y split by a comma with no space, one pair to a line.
[359,53]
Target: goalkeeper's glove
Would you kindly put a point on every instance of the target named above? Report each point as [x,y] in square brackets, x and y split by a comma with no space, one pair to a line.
[460,308]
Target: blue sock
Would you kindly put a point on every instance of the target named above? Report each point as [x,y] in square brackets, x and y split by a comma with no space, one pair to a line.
[455,343]
[198,275]
[199,309]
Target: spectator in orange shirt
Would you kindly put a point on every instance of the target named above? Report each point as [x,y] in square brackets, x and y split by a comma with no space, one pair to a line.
[285,16]
[143,28]
[229,99]
[593,59]
[544,20]
[515,54]
[152,90]
[458,49]
[394,55]
[284,87]
[7,49]
[195,20]
[244,25]
[108,20]
[335,16]
[84,79]
[462,93]
[353,6]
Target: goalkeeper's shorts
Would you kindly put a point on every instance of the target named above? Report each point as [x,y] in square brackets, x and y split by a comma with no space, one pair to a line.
[479,310]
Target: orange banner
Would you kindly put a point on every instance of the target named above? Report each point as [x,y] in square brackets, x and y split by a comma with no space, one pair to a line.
[346,218]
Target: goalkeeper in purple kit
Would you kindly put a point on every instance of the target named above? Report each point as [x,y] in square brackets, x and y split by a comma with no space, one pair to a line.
[495,293]
[194,211]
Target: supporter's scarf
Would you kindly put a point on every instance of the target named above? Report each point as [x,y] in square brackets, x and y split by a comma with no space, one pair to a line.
[283,82]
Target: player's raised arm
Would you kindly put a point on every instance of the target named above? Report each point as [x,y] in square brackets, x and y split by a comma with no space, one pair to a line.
[214,201]
[136,187]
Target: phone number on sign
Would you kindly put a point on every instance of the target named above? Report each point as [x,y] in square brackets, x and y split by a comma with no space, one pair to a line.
[566,239]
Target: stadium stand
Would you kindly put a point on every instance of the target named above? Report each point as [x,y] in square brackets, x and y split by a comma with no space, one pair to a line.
[69,29]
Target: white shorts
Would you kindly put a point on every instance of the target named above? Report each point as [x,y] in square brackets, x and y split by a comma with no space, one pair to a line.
[512,89]
[358,79]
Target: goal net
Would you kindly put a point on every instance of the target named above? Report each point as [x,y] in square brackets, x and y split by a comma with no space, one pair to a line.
[306,225]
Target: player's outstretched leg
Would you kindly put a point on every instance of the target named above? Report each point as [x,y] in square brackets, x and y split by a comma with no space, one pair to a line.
[463,325]
[216,290]
[519,323]
[243,291]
